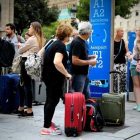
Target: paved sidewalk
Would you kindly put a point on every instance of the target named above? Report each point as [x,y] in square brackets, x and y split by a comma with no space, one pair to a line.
[14,128]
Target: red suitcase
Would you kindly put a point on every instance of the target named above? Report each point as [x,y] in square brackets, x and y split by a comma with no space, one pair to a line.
[75,113]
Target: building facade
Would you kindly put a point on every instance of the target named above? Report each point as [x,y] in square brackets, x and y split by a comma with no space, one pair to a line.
[63,5]
[128,24]
[131,23]
[6,14]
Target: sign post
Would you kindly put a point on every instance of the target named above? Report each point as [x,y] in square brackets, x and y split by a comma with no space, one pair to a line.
[130,93]
[101,44]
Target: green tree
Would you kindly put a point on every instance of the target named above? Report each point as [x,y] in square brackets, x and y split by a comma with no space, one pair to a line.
[27,11]
[122,8]
[83,10]
[49,31]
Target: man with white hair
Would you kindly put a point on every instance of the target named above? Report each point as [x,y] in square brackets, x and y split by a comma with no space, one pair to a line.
[80,60]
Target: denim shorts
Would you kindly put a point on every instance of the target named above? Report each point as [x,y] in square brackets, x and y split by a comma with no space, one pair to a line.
[133,70]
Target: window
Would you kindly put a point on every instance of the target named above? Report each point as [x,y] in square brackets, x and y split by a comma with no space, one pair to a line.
[137,13]
[136,22]
[137,5]
[128,23]
[129,15]
[121,24]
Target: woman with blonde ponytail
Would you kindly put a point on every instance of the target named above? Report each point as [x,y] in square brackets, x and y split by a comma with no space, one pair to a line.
[38,33]
[32,45]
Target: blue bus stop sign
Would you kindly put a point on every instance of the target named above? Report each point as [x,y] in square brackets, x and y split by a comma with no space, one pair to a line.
[100,43]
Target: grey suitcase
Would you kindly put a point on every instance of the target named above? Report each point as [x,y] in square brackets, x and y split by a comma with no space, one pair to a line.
[39,96]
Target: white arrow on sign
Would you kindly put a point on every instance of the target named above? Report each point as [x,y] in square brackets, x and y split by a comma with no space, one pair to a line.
[104,40]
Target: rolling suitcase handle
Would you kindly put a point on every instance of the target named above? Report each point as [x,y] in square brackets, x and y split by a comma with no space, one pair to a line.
[67,85]
[40,85]
[118,77]
[68,82]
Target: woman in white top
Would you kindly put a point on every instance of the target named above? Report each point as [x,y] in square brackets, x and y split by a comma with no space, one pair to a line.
[136,75]
[32,45]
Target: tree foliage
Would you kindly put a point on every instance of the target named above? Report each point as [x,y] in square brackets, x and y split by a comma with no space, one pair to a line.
[27,11]
[50,31]
[83,10]
[122,8]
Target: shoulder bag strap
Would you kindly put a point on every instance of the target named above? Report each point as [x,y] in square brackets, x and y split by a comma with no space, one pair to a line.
[119,50]
[48,43]
[46,48]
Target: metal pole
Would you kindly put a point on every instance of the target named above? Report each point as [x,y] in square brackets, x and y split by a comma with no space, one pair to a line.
[112,44]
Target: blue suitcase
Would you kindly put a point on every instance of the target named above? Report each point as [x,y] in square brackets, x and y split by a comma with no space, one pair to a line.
[9,95]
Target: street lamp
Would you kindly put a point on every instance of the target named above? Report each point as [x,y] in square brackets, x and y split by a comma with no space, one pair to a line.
[73,16]
[73,12]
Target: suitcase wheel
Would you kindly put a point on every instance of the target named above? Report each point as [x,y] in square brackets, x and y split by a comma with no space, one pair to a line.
[74,135]
[122,123]
[71,131]
[67,135]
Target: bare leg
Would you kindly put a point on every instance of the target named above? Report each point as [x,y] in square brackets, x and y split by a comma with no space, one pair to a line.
[29,110]
[136,82]
[20,108]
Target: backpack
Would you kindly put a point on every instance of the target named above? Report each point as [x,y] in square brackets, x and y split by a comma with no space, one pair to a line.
[7,52]
[34,64]
[94,119]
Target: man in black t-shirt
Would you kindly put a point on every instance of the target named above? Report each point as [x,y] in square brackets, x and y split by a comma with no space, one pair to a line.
[79,60]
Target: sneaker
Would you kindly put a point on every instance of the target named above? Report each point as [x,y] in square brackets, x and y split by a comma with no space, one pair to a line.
[18,112]
[55,126]
[138,109]
[26,115]
[51,130]
[134,108]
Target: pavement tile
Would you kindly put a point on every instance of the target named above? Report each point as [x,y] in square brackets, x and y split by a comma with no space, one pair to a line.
[14,128]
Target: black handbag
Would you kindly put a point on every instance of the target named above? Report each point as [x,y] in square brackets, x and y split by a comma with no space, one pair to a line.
[119,50]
